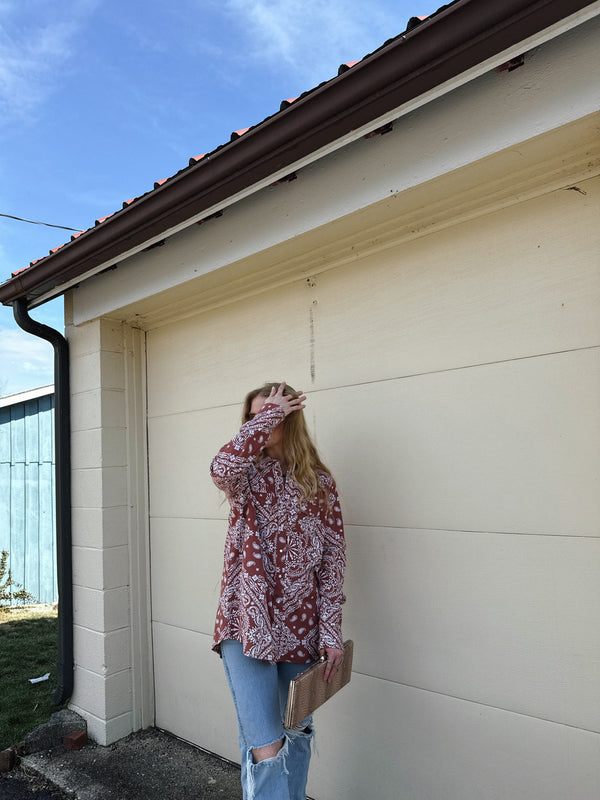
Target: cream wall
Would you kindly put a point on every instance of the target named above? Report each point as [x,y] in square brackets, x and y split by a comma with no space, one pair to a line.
[453,388]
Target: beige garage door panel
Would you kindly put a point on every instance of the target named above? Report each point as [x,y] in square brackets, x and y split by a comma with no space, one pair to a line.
[413,745]
[182,447]
[522,281]
[476,750]
[187,559]
[192,697]
[512,447]
[202,361]
[433,470]
[507,621]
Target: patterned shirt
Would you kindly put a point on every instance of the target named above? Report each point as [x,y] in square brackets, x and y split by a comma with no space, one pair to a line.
[281,590]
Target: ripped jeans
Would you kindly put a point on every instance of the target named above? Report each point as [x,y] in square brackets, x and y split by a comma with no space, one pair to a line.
[259,690]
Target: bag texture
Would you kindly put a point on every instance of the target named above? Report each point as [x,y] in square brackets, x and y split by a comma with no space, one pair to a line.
[308,690]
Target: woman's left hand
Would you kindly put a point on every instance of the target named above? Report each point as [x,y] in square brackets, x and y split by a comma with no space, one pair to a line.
[334,657]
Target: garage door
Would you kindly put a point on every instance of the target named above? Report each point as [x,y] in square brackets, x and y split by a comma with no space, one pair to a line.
[453,386]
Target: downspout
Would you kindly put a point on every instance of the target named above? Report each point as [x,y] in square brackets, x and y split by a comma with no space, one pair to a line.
[62,440]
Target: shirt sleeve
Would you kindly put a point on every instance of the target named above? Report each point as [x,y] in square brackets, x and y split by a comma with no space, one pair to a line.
[330,576]
[229,466]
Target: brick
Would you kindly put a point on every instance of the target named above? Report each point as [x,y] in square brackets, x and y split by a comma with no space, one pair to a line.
[75,740]
[7,760]
[50,734]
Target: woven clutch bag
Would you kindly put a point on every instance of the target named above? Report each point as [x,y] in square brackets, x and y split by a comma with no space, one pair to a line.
[308,690]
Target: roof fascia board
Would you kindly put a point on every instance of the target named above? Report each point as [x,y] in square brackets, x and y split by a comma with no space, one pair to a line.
[24,397]
[452,48]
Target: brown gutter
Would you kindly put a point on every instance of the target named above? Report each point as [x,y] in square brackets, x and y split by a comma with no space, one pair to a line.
[455,39]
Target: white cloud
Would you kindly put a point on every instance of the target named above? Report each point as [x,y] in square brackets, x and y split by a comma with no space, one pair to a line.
[312,36]
[26,361]
[32,55]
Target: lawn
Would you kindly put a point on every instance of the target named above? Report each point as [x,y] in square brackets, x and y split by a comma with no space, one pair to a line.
[28,649]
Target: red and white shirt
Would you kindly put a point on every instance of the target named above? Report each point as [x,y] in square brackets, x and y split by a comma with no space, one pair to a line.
[281,590]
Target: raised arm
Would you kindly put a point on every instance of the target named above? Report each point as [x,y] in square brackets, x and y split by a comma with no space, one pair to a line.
[234,458]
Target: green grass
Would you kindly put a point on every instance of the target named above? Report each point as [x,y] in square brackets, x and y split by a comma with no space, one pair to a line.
[28,649]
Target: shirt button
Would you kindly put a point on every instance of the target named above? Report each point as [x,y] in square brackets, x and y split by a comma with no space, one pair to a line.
[279,600]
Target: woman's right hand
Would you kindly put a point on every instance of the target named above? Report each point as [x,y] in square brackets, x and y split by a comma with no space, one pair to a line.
[288,403]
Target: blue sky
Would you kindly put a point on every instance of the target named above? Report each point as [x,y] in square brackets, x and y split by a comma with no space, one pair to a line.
[100,99]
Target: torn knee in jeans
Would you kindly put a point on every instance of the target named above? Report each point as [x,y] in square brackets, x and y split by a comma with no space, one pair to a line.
[267,751]
[270,764]
[304,727]
[304,731]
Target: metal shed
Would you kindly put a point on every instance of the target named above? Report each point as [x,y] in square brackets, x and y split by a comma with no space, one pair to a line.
[27,529]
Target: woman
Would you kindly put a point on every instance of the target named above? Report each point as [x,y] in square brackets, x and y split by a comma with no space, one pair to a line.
[281,592]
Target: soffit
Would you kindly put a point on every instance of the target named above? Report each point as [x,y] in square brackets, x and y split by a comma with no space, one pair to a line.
[555,160]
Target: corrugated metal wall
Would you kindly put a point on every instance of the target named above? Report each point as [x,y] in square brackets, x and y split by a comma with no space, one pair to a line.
[27,494]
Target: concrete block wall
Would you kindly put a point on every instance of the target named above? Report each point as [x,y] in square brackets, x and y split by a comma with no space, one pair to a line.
[101,569]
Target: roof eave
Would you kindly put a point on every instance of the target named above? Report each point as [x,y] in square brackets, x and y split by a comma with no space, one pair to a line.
[458,38]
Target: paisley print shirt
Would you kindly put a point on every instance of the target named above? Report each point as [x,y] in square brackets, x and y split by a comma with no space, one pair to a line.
[281,590]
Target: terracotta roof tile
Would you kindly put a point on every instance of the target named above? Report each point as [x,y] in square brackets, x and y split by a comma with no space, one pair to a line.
[345,67]
[413,22]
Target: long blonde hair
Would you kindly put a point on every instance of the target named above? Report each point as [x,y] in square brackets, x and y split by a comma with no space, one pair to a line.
[302,458]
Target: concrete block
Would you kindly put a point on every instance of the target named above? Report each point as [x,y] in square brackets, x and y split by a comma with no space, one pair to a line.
[116,567]
[104,654]
[85,410]
[87,567]
[85,372]
[86,449]
[113,408]
[114,488]
[100,527]
[91,337]
[99,447]
[114,447]
[111,335]
[98,408]
[101,611]
[101,569]
[97,488]
[116,609]
[115,522]
[112,366]
[83,339]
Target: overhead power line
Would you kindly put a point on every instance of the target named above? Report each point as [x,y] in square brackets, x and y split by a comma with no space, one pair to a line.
[47,224]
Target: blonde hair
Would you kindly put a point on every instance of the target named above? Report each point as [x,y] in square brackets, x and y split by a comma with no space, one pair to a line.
[302,458]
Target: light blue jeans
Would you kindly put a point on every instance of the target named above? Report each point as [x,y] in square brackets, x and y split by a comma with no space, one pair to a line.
[259,690]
